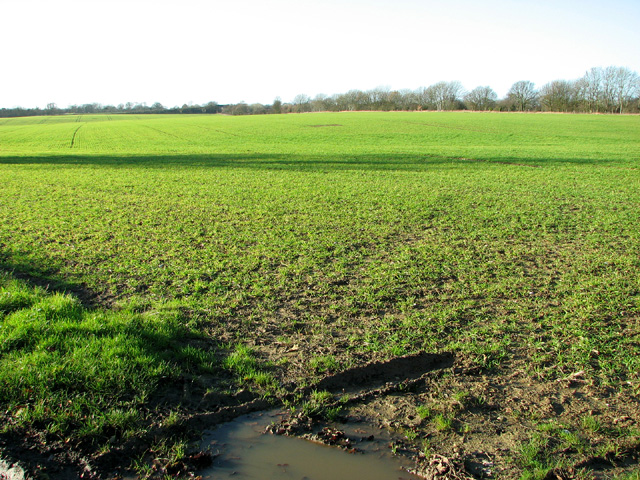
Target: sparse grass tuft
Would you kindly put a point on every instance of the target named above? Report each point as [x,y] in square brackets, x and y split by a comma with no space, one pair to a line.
[324,364]
[243,363]
[321,404]
[443,423]
[424,412]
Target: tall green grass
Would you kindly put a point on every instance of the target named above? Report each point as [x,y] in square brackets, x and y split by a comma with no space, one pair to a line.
[91,374]
[84,372]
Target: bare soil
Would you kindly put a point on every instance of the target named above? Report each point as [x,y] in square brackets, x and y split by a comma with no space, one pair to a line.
[492,415]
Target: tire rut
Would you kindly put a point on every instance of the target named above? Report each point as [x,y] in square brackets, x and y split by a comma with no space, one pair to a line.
[73,138]
[361,383]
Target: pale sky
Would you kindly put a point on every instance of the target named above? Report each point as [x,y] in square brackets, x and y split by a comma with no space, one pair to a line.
[182,51]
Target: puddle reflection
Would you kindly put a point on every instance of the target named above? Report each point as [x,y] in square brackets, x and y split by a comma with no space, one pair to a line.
[246,453]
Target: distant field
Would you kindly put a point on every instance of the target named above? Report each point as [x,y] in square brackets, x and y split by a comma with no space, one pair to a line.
[286,247]
[335,138]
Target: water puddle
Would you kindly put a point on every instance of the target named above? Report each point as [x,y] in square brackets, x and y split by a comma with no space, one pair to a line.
[242,451]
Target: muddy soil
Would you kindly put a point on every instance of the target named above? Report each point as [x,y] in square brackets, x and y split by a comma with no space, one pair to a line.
[458,421]
[449,416]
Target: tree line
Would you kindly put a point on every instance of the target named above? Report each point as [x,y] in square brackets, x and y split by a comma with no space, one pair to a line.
[90,108]
[600,90]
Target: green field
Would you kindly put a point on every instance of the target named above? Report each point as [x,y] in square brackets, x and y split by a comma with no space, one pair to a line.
[142,253]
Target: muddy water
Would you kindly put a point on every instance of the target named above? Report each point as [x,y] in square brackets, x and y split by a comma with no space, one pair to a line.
[242,451]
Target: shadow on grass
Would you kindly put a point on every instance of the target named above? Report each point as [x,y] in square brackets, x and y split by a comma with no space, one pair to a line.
[289,162]
[91,374]
[49,280]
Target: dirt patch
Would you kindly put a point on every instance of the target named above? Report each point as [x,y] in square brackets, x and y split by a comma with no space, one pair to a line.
[461,422]
[25,459]
[452,418]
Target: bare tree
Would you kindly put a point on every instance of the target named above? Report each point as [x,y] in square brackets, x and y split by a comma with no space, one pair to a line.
[52,109]
[609,89]
[481,98]
[523,95]
[395,101]
[381,99]
[364,100]
[407,100]
[625,85]
[240,109]
[302,103]
[590,89]
[321,103]
[444,95]
[257,109]
[352,100]
[423,97]
[607,95]
[558,96]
